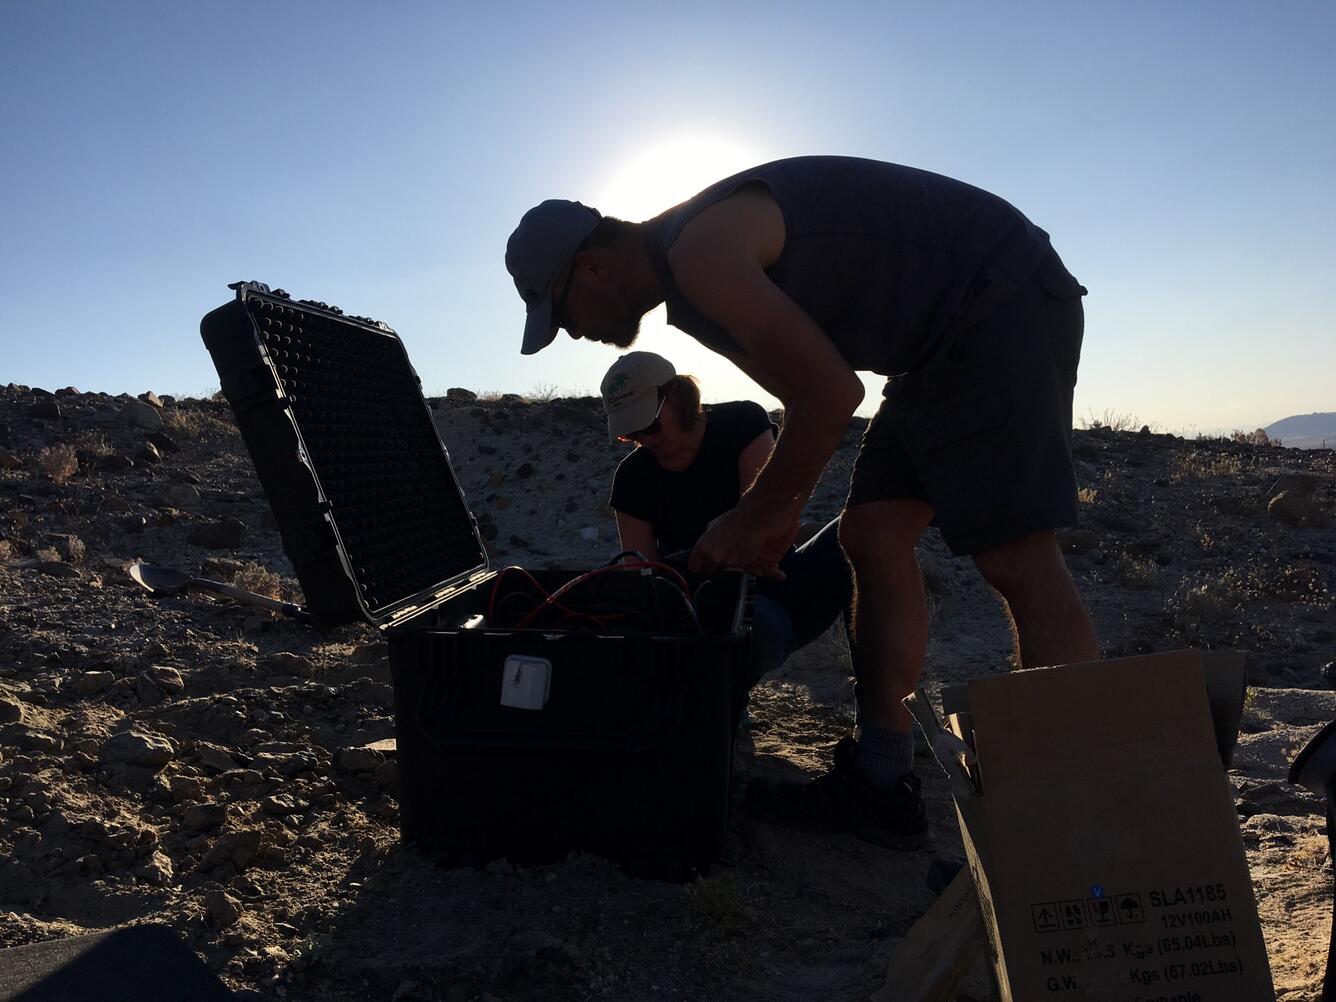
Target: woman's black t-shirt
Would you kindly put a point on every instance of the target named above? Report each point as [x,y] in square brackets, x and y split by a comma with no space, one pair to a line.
[679,504]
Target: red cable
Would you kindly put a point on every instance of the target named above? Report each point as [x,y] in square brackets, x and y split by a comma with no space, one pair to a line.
[630,566]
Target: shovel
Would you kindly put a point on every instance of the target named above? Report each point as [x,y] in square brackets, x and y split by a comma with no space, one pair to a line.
[169,581]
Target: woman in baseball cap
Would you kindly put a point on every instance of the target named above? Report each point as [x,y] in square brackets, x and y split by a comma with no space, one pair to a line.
[690,465]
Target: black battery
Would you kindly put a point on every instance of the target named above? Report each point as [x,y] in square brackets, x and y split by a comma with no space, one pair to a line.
[528,734]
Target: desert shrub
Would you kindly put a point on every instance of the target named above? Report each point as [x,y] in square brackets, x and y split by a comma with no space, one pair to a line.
[47,555]
[1258,437]
[1198,603]
[1110,420]
[6,550]
[59,462]
[94,443]
[261,580]
[717,904]
[1141,573]
[1087,495]
[543,393]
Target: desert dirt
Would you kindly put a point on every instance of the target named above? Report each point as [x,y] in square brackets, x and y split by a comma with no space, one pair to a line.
[193,762]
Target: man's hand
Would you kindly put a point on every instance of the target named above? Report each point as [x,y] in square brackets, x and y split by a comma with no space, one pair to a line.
[741,539]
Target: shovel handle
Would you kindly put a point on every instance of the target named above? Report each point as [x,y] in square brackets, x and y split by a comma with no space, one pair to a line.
[251,598]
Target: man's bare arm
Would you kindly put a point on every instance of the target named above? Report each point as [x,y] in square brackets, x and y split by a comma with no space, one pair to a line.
[719,263]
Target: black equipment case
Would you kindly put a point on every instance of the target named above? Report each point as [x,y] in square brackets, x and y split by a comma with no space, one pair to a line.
[524,742]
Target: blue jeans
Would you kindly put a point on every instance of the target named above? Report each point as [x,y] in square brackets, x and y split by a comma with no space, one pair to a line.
[788,615]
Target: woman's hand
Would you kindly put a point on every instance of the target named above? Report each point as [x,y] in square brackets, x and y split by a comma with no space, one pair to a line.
[754,542]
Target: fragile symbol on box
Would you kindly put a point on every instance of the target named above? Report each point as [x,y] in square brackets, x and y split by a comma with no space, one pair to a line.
[1130,911]
[1045,917]
[1102,912]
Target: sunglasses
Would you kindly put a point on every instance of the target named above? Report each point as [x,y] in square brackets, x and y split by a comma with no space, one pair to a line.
[653,428]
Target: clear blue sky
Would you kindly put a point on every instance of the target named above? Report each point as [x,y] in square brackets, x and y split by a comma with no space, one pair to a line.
[1181,155]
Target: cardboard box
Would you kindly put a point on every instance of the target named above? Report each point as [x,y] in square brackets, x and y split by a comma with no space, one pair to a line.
[1103,841]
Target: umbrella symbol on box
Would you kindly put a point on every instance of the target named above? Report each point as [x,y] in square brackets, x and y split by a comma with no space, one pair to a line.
[1129,909]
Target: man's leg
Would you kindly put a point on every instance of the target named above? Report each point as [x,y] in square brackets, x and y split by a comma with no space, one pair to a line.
[872,791]
[1049,621]
[890,628]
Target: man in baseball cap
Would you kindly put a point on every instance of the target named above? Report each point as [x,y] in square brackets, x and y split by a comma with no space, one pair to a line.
[541,250]
[803,272]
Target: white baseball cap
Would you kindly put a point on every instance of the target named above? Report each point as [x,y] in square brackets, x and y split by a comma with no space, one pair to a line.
[630,391]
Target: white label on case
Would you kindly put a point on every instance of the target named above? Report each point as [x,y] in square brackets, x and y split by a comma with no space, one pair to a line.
[525,682]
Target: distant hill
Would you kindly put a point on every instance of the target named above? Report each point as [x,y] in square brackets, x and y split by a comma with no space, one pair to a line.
[1305,431]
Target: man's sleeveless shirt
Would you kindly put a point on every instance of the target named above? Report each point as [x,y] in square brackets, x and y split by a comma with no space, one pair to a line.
[887,260]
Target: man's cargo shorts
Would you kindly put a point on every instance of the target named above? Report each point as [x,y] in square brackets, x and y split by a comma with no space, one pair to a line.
[983,430]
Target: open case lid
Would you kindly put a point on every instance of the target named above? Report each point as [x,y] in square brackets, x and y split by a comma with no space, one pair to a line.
[345,447]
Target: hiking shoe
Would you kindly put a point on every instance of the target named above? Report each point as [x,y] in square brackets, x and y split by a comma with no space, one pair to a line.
[843,801]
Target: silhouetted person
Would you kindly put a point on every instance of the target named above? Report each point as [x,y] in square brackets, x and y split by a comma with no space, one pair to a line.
[802,271]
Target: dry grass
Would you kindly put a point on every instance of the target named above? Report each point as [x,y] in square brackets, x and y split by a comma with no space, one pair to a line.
[1201,465]
[261,580]
[1110,420]
[59,462]
[1141,573]
[1087,495]
[6,550]
[94,443]
[191,423]
[1196,604]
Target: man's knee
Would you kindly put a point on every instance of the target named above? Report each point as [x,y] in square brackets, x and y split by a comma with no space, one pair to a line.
[882,532]
[1028,562]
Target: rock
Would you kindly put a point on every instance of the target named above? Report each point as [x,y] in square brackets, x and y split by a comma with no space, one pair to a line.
[387,774]
[287,663]
[133,525]
[459,393]
[221,909]
[70,547]
[59,569]
[186,788]
[163,442]
[133,748]
[1078,540]
[47,410]
[92,682]
[1298,510]
[205,817]
[148,453]
[166,678]
[68,391]
[215,757]
[286,763]
[9,461]
[525,471]
[116,464]
[536,939]
[1296,482]
[1329,673]
[589,533]
[360,759]
[30,739]
[182,496]
[138,414]
[156,870]
[281,804]
[151,398]
[496,480]
[225,534]
[12,710]
[148,693]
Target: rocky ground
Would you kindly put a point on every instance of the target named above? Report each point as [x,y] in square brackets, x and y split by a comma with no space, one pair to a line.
[197,763]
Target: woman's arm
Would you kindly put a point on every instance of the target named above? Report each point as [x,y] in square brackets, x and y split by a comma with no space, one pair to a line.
[753,458]
[637,534]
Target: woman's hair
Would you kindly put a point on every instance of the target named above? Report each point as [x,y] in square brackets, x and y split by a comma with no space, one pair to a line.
[685,393]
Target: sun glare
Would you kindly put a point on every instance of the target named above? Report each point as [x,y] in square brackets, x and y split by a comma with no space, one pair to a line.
[656,176]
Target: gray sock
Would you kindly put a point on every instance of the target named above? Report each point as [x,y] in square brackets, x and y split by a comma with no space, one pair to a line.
[884,756]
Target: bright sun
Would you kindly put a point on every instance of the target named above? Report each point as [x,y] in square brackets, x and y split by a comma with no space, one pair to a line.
[654,177]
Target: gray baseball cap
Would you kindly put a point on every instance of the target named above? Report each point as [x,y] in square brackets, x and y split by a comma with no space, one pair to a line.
[538,251]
